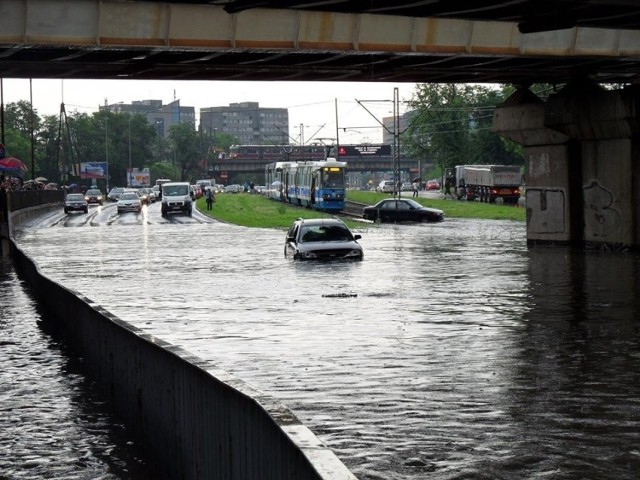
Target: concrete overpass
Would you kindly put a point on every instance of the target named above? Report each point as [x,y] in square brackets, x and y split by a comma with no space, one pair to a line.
[581,146]
[385,40]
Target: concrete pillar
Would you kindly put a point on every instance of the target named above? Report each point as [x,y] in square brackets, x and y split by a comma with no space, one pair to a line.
[604,124]
[521,119]
[581,153]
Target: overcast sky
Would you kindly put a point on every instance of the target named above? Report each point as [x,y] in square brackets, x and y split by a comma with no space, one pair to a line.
[310,104]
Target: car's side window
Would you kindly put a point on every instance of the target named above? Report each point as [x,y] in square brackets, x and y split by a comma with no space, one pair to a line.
[403,206]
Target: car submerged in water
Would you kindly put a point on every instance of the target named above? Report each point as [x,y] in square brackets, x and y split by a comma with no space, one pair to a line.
[321,239]
[401,210]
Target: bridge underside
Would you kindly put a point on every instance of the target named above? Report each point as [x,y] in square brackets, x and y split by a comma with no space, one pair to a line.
[191,40]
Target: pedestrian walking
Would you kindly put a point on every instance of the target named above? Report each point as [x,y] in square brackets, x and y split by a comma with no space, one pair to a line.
[415,189]
[209,195]
[447,188]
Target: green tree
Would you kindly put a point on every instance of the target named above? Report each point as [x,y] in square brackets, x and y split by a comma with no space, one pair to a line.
[220,146]
[51,164]
[452,125]
[18,116]
[187,149]
[20,121]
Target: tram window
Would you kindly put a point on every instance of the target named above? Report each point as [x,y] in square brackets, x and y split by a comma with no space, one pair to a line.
[333,179]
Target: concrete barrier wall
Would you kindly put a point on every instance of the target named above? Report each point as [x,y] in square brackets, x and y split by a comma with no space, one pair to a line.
[198,422]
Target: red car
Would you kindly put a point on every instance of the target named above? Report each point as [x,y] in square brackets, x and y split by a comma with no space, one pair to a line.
[433,185]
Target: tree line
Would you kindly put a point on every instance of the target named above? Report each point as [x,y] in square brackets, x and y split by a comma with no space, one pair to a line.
[53,144]
[451,124]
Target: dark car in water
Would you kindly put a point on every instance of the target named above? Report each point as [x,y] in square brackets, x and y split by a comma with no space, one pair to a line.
[401,210]
[94,195]
[75,202]
[321,239]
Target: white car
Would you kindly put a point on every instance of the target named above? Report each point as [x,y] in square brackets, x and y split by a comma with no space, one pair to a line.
[233,189]
[129,202]
[385,186]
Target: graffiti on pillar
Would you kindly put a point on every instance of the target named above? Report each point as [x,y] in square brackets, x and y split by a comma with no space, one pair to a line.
[601,218]
[546,211]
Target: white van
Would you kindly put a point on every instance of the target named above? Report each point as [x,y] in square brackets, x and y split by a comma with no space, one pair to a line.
[176,197]
[385,186]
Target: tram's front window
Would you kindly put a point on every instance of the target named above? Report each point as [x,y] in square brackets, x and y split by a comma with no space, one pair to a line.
[334,178]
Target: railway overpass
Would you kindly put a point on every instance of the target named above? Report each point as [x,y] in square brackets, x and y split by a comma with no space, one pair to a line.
[581,146]
[367,158]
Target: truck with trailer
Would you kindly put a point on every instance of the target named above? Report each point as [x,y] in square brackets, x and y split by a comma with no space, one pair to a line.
[488,182]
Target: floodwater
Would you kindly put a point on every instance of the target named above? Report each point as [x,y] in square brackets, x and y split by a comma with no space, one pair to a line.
[54,423]
[450,352]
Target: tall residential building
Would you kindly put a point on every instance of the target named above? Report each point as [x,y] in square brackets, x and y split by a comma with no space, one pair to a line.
[248,122]
[388,130]
[160,116]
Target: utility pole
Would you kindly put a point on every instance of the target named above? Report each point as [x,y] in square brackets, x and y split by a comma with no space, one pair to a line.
[337,131]
[396,139]
[130,171]
[396,143]
[106,144]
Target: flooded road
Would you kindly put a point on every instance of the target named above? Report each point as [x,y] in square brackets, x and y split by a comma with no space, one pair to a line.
[54,423]
[452,351]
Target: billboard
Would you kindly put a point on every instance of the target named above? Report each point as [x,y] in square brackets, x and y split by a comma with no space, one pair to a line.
[364,150]
[138,178]
[93,170]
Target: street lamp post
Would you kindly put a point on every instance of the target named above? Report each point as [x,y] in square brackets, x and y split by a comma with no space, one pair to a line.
[106,147]
[130,171]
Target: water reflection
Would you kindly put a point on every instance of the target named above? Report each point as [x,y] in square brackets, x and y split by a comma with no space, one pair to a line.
[457,353]
[54,422]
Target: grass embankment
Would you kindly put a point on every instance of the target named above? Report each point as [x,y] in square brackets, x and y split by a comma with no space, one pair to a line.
[258,211]
[254,211]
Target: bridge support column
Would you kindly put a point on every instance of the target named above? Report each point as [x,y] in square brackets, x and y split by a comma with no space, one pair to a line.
[582,164]
[547,169]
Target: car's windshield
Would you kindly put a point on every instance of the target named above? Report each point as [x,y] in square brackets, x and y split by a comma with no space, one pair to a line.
[93,192]
[170,190]
[74,197]
[128,196]
[325,233]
